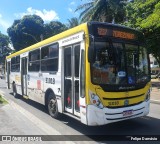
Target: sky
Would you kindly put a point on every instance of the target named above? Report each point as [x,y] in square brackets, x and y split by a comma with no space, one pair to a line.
[48,10]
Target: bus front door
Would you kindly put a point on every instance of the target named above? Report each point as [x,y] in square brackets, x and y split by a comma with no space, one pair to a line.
[24,76]
[71,79]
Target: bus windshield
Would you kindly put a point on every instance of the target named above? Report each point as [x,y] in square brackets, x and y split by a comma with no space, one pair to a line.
[119,64]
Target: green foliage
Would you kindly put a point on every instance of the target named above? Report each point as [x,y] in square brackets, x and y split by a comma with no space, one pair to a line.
[73,22]
[2,101]
[103,10]
[26,31]
[143,13]
[145,16]
[4,50]
[53,28]
[152,20]
[4,40]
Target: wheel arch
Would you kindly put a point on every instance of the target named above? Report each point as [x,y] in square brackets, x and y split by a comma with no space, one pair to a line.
[49,90]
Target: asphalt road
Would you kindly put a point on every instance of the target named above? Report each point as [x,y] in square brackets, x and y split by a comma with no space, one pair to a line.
[148,125]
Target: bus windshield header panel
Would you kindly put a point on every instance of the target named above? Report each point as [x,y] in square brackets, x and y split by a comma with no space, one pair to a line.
[102,30]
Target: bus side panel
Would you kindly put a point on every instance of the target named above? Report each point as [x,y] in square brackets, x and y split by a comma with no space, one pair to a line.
[53,82]
[35,87]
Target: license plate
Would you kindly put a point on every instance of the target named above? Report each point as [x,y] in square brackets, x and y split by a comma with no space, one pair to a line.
[127,113]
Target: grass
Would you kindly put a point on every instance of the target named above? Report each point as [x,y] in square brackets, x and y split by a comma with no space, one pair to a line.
[2,101]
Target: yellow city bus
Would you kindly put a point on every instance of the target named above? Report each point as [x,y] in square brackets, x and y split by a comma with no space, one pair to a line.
[96,72]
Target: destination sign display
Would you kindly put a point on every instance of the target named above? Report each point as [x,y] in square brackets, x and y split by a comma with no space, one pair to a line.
[115,33]
[124,35]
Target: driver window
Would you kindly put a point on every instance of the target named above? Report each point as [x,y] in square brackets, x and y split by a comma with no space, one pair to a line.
[104,56]
[104,66]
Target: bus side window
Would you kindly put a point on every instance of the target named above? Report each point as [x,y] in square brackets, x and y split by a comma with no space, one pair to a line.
[34,60]
[49,58]
[18,63]
[15,64]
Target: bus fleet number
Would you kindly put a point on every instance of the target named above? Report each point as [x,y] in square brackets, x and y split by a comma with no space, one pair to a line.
[50,80]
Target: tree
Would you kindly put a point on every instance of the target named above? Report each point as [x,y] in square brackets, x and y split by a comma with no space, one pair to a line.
[4,40]
[4,49]
[103,10]
[145,16]
[26,31]
[73,22]
[53,28]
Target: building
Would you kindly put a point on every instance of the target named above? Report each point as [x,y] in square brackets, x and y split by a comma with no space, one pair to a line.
[155,69]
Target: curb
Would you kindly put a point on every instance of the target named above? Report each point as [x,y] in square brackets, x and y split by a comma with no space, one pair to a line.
[155,101]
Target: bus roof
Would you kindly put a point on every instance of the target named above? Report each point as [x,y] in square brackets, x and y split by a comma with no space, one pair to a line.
[82,27]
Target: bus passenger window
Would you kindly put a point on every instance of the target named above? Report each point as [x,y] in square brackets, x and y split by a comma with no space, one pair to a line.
[15,64]
[34,61]
[49,58]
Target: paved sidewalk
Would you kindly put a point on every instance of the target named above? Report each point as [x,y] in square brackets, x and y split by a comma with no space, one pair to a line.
[155,91]
[19,129]
[12,122]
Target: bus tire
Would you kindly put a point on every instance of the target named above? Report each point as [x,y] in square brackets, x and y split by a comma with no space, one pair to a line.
[52,105]
[14,90]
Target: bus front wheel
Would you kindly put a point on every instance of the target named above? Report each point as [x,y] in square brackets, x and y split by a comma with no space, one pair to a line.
[52,106]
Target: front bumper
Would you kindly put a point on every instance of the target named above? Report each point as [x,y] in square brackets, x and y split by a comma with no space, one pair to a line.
[96,116]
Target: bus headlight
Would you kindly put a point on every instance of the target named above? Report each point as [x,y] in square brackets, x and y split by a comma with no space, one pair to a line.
[148,95]
[95,100]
